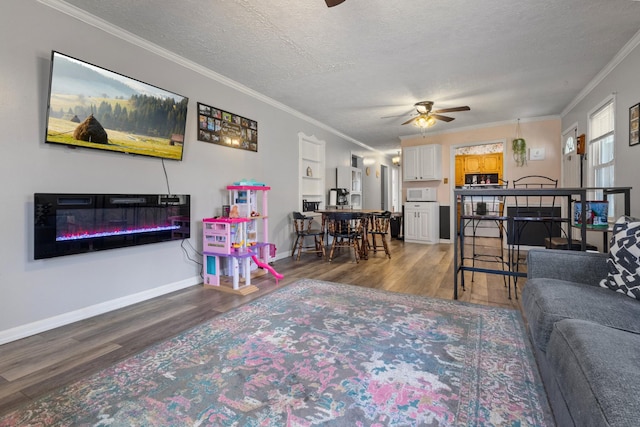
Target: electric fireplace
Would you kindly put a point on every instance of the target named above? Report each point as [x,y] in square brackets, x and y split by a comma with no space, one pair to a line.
[66,224]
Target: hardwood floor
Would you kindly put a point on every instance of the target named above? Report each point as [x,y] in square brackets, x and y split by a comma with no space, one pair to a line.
[41,363]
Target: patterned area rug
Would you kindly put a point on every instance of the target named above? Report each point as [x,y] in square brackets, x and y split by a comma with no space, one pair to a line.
[319,353]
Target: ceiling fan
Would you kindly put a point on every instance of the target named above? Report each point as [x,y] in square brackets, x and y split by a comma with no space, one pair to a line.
[427,117]
[331,3]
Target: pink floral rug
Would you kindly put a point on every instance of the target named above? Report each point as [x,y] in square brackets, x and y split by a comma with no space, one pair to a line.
[319,353]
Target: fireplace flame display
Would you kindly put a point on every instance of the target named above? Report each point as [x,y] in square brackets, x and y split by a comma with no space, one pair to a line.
[118,232]
[68,224]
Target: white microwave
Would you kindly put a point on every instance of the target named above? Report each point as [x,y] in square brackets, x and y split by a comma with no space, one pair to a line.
[421,194]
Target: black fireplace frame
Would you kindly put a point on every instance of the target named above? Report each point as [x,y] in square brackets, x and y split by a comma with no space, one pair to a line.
[115,221]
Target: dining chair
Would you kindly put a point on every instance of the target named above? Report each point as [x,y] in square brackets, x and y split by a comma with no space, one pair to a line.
[305,229]
[345,229]
[379,229]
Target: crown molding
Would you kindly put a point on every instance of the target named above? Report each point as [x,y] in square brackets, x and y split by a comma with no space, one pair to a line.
[482,126]
[101,24]
[620,56]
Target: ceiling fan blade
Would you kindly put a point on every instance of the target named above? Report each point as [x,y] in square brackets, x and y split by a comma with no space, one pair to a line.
[397,115]
[443,118]
[451,110]
[331,3]
[410,120]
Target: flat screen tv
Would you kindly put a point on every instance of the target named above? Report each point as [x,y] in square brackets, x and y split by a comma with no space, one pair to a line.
[93,107]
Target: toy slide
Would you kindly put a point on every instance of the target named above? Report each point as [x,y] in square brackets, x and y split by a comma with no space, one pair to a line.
[267,267]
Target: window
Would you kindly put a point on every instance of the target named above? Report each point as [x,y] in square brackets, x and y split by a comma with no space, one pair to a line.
[569,145]
[601,147]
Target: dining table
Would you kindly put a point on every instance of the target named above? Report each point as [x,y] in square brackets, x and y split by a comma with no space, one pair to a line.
[364,215]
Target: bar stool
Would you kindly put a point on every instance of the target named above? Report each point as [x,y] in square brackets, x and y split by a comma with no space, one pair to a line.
[537,215]
[482,217]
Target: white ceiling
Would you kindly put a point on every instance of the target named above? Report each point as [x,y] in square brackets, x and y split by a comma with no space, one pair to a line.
[352,64]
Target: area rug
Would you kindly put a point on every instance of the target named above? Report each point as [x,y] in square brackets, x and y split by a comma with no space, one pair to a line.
[319,353]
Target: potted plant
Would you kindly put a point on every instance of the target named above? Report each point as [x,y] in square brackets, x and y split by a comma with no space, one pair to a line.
[519,147]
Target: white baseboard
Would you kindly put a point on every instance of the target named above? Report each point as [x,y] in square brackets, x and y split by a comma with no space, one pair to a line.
[29,329]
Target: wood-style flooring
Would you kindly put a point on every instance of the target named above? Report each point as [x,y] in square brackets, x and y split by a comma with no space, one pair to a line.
[41,363]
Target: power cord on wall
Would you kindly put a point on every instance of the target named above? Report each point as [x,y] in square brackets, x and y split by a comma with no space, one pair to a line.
[186,252]
[166,177]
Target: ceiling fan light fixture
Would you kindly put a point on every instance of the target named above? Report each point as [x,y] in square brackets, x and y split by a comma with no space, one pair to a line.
[425,121]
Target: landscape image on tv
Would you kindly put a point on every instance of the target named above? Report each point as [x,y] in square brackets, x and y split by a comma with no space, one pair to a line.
[93,107]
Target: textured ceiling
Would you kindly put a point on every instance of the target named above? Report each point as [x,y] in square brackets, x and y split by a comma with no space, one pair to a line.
[352,64]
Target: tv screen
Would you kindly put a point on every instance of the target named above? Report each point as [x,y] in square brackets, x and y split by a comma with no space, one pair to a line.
[93,107]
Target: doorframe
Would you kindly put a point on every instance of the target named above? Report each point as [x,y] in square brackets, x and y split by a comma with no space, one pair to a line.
[453,203]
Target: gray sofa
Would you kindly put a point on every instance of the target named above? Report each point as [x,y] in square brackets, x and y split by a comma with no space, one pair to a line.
[586,339]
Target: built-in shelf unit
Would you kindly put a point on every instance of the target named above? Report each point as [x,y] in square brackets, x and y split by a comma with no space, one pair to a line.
[311,175]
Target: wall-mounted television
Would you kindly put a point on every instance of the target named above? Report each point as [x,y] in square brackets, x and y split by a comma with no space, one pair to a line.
[93,107]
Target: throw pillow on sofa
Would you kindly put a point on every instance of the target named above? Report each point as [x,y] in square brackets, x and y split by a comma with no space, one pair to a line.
[624,258]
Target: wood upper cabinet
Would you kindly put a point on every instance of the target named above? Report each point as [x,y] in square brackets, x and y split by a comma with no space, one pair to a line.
[492,163]
[459,171]
[478,164]
[473,164]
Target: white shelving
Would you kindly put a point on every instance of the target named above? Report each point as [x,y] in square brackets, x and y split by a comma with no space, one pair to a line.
[351,178]
[311,171]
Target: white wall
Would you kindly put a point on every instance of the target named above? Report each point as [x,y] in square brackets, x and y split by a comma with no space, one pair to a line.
[623,82]
[36,295]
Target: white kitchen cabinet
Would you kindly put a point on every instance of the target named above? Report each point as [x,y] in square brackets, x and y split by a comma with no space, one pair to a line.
[422,163]
[422,222]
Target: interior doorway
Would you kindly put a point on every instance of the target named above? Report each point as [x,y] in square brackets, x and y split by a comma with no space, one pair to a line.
[384,188]
[472,164]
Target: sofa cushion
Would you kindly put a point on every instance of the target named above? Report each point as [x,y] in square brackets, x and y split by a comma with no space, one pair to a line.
[546,301]
[624,258]
[598,372]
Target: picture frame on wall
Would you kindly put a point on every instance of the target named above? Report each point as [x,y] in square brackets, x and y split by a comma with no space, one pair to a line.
[634,125]
[221,127]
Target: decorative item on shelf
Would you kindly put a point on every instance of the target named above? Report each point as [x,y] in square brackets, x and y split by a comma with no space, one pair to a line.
[519,147]
[367,170]
[309,171]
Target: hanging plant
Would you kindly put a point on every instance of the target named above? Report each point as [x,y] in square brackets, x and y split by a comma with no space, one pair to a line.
[519,148]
